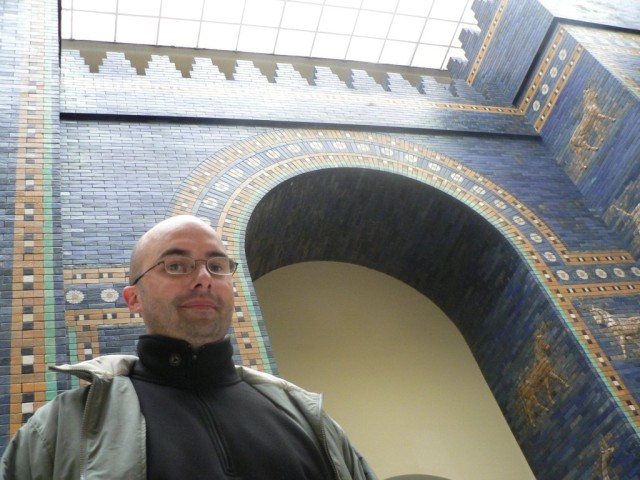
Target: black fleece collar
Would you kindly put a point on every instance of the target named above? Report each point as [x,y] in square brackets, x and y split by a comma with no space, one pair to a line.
[173,362]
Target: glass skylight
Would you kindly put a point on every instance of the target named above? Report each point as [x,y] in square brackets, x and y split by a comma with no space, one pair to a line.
[415,33]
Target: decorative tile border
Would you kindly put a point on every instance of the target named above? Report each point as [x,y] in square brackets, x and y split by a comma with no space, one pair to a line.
[558,86]
[542,70]
[487,41]
[33,318]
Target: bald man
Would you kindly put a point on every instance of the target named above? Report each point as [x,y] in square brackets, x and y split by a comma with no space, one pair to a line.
[180,408]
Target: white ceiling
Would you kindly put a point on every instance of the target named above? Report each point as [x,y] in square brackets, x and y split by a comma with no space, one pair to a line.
[416,33]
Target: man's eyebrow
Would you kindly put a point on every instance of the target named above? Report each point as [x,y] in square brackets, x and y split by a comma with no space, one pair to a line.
[187,253]
[174,251]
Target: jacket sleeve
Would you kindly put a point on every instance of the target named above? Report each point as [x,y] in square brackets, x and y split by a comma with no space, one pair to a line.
[39,450]
[27,455]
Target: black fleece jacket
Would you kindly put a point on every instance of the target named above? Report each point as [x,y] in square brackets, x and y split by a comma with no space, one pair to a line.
[203,421]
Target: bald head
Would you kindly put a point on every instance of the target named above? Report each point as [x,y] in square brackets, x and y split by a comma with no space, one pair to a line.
[155,234]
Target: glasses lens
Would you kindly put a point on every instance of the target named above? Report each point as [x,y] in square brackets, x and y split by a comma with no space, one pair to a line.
[179,265]
[220,265]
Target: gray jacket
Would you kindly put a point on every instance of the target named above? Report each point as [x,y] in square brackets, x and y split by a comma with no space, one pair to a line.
[98,431]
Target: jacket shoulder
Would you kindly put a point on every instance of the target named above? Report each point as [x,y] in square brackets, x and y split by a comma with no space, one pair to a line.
[256,378]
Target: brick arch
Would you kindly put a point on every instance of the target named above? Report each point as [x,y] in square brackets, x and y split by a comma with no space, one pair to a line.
[227,186]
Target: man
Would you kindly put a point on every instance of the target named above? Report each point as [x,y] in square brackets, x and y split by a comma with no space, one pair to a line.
[181,410]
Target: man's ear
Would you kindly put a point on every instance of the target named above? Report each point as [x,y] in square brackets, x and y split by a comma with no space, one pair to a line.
[131,295]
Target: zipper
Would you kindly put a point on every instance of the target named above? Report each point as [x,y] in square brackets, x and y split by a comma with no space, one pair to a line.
[323,439]
[216,437]
[325,446]
[84,435]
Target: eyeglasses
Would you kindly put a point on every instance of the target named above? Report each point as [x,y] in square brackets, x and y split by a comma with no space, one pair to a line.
[182,265]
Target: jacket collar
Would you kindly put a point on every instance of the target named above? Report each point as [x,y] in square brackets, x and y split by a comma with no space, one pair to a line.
[100,368]
[175,363]
[107,367]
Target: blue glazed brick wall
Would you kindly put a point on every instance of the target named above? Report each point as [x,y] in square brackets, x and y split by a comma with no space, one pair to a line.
[120,178]
[141,166]
[432,104]
[516,165]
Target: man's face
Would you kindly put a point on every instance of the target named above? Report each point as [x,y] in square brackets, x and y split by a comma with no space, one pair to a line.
[196,307]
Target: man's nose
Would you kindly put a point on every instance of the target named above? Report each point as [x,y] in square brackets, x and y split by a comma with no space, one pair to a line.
[202,276]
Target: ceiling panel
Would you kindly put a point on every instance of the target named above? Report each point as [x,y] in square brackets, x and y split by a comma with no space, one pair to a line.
[420,33]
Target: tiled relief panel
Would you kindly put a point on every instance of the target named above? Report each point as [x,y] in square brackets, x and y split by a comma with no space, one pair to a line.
[567,426]
[584,101]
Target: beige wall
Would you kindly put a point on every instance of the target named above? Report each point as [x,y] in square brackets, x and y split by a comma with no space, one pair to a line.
[395,372]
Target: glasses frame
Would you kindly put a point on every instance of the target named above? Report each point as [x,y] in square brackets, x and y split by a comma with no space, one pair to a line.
[232,264]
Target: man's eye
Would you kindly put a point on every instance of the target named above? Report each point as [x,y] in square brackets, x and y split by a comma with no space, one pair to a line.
[176,267]
[218,265]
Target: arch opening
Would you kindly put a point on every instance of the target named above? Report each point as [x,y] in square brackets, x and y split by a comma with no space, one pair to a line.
[390,223]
